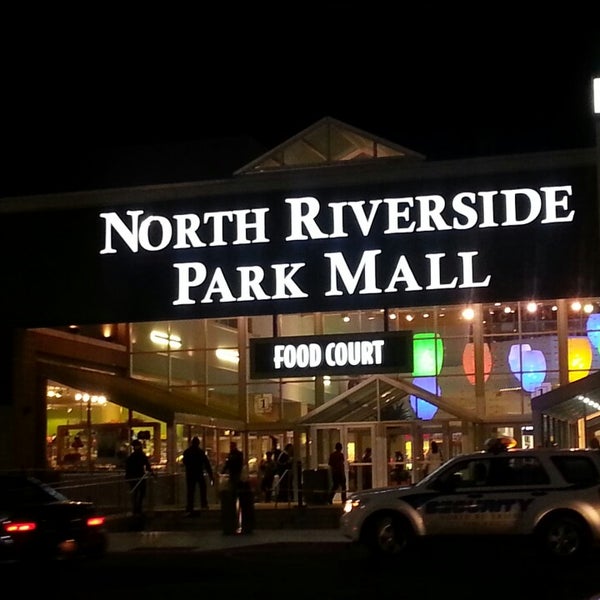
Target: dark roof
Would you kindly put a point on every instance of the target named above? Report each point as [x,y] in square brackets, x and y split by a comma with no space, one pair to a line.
[51,170]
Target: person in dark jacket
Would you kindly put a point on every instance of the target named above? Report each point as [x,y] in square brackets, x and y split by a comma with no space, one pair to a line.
[285,471]
[337,464]
[137,467]
[234,464]
[196,464]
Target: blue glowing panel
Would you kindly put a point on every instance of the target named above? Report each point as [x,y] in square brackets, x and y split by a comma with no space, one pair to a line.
[593,330]
[534,370]
[423,409]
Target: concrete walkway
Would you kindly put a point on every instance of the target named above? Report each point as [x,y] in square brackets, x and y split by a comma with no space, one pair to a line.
[207,540]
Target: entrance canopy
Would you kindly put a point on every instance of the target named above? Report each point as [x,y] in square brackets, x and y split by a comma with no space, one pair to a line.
[569,402]
[380,398]
[153,401]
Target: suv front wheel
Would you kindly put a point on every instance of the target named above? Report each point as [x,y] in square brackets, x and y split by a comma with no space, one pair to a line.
[388,535]
[563,536]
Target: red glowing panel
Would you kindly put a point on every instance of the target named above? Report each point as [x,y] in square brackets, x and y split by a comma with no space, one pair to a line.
[468,360]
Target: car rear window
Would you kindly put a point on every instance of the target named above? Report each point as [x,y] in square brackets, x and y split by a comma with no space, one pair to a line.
[578,470]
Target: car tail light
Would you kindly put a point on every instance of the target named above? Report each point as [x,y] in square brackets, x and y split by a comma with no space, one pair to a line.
[95,521]
[19,526]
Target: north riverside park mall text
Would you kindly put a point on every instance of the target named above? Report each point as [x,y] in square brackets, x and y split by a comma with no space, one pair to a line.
[203,282]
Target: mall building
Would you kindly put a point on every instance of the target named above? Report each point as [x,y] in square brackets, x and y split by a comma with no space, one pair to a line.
[339,287]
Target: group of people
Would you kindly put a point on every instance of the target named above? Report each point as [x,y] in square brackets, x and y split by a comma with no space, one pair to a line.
[276,472]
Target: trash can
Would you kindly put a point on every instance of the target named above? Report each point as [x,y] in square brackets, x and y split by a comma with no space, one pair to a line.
[316,486]
[229,513]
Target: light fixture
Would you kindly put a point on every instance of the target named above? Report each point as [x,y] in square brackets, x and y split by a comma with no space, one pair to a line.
[468,314]
[531,307]
[228,355]
[345,318]
[409,317]
[576,306]
[588,308]
[163,339]
[392,316]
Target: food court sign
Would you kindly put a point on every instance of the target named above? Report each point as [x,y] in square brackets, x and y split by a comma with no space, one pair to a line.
[360,353]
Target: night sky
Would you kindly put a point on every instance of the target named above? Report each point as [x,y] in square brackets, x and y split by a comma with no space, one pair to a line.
[487,85]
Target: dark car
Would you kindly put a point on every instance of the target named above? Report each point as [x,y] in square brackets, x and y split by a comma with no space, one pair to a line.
[37,521]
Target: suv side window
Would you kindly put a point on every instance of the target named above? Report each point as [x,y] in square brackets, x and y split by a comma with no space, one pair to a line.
[578,470]
[507,470]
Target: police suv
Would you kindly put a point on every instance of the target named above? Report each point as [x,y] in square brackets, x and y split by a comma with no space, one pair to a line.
[550,496]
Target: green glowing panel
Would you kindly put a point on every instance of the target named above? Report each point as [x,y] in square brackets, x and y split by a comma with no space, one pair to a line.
[428,350]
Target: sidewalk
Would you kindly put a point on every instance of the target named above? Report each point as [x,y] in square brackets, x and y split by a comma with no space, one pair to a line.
[208,540]
[166,527]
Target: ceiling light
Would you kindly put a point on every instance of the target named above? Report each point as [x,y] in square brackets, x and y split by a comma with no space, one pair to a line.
[468,314]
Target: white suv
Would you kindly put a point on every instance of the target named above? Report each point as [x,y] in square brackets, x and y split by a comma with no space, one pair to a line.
[552,496]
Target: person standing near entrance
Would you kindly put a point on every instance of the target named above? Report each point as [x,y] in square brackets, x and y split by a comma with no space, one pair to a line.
[137,468]
[433,458]
[196,464]
[285,471]
[367,479]
[233,467]
[337,464]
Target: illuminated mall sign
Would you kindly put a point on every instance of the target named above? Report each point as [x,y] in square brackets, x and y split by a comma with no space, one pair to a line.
[360,353]
[417,242]
[207,282]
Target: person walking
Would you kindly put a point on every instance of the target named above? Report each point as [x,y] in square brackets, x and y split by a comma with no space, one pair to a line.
[196,465]
[337,464]
[137,468]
